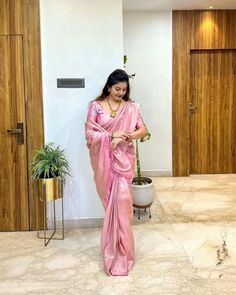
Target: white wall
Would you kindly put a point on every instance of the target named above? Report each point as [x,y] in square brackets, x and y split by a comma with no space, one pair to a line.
[148,45]
[80,38]
[84,38]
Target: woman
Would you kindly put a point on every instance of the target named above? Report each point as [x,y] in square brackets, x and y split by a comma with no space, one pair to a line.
[113,121]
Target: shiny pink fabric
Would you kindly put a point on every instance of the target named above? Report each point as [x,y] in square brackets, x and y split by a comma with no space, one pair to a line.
[113,173]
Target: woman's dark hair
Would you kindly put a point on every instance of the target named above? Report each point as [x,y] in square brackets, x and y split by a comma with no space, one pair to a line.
[115,77]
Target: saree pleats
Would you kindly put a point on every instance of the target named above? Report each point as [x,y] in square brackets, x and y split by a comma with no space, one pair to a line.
[117,238]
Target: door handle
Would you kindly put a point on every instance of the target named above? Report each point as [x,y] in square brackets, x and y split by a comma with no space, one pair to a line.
[19,131]
[13,131]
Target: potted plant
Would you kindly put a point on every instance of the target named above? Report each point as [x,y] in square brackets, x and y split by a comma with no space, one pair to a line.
[142,186]
[49,166]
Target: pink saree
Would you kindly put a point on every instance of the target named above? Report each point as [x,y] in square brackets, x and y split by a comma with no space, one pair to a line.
[113,173]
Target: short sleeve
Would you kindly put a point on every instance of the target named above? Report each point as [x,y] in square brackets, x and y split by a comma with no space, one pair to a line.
[92,112]
[94,133]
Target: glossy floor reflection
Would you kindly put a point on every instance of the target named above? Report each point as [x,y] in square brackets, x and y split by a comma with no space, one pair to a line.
[175,250]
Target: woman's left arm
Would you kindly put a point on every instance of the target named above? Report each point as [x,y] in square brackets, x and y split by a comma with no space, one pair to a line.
[139,133]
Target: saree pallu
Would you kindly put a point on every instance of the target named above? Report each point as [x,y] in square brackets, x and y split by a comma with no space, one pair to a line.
[113,173]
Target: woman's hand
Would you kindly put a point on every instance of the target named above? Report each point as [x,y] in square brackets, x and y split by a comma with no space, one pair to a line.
[121,134]
[115,141]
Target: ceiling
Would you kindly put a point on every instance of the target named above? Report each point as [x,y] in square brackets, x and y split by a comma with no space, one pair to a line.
[177,4]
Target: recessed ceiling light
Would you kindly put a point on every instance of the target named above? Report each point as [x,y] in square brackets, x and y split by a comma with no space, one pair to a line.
[210,7]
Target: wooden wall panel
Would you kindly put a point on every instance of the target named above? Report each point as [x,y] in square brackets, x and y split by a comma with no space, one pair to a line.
[213,29]
[181,131]
[33,80]
[182,36]
[183,26]
[193,30]
[22,17]
[11,17]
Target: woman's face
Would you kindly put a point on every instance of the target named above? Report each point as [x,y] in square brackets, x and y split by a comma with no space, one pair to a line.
[117,91]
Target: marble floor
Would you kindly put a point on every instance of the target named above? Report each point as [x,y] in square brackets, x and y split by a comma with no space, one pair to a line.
[176,250]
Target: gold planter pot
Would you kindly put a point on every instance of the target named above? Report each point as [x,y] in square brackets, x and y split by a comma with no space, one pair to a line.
[49,189]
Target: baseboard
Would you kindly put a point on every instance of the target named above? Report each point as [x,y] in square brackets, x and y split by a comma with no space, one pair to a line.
[77,223]
[150,173]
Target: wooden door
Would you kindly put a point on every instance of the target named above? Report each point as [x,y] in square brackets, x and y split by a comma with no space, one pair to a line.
[212,111]
[14,213]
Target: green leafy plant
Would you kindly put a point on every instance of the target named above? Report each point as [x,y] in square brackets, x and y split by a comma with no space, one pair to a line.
[49,161]
[139,179]
[125,59]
